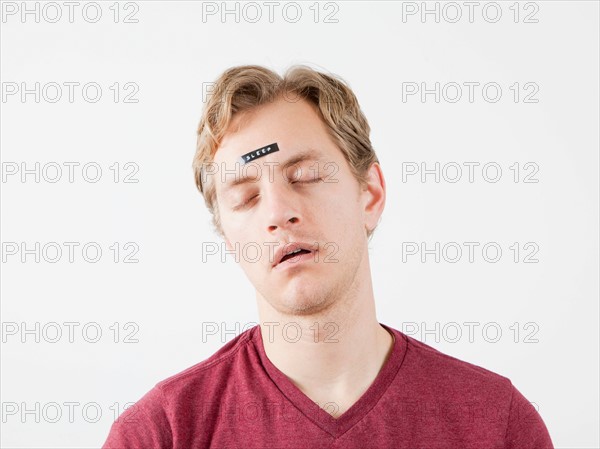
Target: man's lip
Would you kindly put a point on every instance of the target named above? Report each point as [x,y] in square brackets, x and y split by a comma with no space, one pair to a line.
[292,246]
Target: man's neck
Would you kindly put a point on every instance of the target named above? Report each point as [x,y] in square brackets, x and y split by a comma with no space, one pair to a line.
[332,359]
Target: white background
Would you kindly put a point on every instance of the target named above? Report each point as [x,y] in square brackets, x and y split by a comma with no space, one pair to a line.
[171,53]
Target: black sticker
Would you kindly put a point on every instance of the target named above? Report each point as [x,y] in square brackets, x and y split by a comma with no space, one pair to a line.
[259,153]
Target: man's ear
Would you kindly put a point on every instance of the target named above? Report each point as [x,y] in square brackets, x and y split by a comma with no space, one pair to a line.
[373,196]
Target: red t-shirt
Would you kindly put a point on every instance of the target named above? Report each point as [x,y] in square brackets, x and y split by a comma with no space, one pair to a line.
[421,398]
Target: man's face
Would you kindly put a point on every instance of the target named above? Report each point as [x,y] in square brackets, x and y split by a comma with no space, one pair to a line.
[280,205]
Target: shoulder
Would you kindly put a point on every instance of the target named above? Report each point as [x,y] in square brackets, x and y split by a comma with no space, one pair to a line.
[213,370]
[153,419]
[454,372]
[459,389]
[475,393]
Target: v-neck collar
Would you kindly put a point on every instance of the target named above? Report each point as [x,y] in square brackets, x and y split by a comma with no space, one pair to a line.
[335,426]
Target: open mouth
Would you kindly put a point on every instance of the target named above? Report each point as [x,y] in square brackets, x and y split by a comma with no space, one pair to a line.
[294,254]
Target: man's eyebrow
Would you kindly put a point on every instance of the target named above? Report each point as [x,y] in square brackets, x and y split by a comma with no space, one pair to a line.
[302,156]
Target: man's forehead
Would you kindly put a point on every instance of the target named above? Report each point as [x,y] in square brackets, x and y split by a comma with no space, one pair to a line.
[290,126]
[270,151]
[258,153]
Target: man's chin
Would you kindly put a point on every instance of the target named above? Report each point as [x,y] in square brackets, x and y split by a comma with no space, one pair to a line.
[300,304]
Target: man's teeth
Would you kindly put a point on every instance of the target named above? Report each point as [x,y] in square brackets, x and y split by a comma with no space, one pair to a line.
[294,252]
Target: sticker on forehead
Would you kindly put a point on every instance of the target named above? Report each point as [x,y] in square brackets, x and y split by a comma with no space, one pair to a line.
[259,153]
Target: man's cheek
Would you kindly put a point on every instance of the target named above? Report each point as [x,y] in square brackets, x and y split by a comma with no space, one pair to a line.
[251,256]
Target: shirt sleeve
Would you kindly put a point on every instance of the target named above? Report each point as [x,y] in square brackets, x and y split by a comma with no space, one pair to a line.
[526,429]
[144,425]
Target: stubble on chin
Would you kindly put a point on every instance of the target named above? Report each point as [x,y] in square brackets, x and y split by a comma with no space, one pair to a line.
[302,303]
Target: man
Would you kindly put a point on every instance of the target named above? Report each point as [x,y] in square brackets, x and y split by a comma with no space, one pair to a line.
[319,371]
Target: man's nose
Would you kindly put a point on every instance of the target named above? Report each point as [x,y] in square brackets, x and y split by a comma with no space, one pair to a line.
[282,207]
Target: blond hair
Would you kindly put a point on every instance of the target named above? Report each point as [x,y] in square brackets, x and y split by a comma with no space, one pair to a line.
[244,87]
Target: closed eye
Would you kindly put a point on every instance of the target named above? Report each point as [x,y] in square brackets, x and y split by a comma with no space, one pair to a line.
[245,203]
[310,181]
